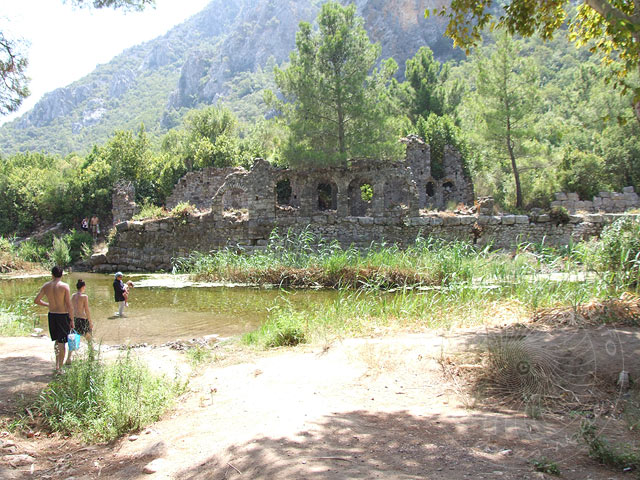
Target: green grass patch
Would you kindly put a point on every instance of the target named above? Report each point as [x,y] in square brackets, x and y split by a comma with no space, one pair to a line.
[285,327]
[101,401]
[17,318]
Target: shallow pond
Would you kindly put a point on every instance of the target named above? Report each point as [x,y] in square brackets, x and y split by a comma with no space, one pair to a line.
[164,308]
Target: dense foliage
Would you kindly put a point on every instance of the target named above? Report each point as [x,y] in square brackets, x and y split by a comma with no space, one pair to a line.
[562,117]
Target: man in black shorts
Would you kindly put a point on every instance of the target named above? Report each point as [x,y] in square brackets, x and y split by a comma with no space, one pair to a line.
[60,312]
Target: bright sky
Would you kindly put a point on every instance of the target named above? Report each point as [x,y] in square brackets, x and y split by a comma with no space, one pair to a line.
[67,43]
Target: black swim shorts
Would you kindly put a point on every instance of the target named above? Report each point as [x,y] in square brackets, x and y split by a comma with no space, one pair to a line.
[81,325]
[59,326]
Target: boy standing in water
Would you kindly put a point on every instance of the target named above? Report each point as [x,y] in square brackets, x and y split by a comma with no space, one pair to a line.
[82,319]
[60,312]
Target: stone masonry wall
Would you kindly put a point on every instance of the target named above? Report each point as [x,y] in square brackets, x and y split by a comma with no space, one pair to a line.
[123,201]
[151,245]
[606,202]
[268,192]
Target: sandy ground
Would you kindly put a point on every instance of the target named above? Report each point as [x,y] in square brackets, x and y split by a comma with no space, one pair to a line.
[355,409]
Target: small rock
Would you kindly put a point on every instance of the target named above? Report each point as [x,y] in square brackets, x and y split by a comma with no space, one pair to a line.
[506,453]
[133,438]
[8,444]
[19,460]
[154,466]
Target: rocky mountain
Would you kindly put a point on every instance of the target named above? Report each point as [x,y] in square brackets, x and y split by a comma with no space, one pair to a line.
[203,61]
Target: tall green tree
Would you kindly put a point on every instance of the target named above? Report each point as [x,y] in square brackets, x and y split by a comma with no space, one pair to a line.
[425,90]
[610,27]
[13,61]
[336,104]
[507,93]
[208,138]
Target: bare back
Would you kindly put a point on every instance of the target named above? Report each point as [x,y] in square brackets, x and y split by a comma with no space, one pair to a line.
[58,296]
[80,302]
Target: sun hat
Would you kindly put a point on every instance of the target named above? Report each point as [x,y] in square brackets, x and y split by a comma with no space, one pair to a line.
[118,274]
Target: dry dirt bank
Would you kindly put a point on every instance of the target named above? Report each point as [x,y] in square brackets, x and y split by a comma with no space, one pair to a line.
[359,408]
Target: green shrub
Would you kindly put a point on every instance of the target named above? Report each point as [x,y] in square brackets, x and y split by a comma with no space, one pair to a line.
[618,252]
[59,254]
[78,241]
[150,211]
[31,251]
[101,401]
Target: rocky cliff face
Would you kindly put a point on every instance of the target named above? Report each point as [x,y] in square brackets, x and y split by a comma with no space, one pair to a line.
[194,63]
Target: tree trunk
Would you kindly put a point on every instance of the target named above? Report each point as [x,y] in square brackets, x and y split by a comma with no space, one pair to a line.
[514,168]
[341,141]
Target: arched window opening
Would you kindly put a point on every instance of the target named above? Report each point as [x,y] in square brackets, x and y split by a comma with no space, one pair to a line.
[360,198]
[327,197]
[283,193]
[430,189]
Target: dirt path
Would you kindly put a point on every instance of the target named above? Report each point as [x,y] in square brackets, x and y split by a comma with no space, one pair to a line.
[358,409]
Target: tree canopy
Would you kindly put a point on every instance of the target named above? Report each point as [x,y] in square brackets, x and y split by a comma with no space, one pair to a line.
[335,100]
[13,62]
[610,27]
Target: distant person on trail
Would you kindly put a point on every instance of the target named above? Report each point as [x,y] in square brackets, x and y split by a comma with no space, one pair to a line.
[84,225]
[60,313]
[94,223]
[82,319]
[128,287]
[118,291]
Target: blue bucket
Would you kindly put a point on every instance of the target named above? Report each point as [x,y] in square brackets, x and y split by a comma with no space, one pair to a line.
[73,340]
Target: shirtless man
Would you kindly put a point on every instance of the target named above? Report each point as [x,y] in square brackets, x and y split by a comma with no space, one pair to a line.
[60,312]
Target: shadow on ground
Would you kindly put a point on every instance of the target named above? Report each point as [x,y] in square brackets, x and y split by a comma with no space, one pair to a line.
[26,375]
[399,445]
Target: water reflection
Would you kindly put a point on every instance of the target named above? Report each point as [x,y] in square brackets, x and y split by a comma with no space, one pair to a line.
[159,314]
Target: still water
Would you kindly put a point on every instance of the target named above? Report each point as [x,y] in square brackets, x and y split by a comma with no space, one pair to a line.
[162,308]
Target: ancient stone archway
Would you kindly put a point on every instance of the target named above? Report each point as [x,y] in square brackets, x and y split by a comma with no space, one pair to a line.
[360,194]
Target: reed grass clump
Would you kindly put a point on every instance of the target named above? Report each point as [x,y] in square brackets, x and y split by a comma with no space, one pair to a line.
[285,327]
[101,401]
[16,318]
[305,260]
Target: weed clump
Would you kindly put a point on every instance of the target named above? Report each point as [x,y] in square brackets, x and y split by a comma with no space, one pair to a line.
[545,465]
[285,327]
[101,401]
[622,457]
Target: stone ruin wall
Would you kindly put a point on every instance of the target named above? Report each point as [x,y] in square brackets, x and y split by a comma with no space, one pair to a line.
[248,205]
[124,202]
[152,245]
[198,188]
[605,202]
